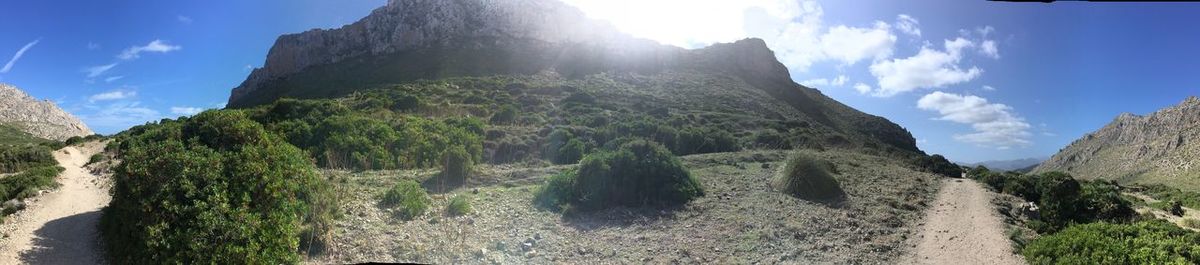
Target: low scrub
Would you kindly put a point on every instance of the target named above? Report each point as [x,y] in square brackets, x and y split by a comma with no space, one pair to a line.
[456,165]
[638,173]
[17,158]
[807,177]
[1147,242]
[409,199]
[27,183]
[459,205]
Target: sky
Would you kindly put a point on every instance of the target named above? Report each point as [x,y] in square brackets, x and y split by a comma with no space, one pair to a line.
[972,80]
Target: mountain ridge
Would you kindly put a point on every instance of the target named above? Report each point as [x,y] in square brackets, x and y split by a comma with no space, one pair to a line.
[1157,148]
[40,118]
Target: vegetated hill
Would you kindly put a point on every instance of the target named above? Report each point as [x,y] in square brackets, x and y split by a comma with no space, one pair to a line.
[1160,148]
[42,119]
[547,40]
[1007,165]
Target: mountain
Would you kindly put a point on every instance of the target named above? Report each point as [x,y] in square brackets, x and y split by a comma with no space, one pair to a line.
[1007,165]
[1162,147]
[42,119]
[406,41]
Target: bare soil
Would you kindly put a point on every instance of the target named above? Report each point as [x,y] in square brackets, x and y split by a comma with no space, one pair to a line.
[741,220]
[59,227]
[963,227]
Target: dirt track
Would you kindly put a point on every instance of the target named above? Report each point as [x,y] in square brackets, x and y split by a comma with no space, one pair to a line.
[60,227]
[962,227]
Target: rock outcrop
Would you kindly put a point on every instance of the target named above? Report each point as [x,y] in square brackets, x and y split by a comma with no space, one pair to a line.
[409,40]
[40,118]
[1162,147]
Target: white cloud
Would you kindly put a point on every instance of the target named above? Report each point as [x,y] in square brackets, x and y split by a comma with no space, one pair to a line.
[822,82]
[984,31]
[988,48]
[91,46]
[154,46]
[794,30]
[118,115]
[112,95]
[862,88]
[929,68]
[113,78]
[186,110]
[21,52]
[184,19]
[908,25]
[850,45]
[98,70]
[995,124]
[989,88]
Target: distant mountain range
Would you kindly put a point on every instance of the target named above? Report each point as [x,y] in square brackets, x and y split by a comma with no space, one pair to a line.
[39,118]
[1162,147]
[1007,165]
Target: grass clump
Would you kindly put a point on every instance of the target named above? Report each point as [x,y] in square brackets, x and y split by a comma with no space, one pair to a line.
[408,195]
[456,165]
[638,173]
[807,177]
[459,205]
[1146,242]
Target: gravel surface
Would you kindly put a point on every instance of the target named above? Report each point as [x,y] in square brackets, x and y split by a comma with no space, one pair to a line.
[962,227]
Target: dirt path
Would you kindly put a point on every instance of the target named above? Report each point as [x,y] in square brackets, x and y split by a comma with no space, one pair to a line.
[60,227]
[962,227]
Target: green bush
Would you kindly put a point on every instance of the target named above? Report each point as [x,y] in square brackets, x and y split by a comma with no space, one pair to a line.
[807,177]
[938,164]
[771,138]
[27,183]
[561,147]
[214,188]
[95,158]
[409,196]
[1165,193]
[506,115]
[459,205]
[638,173]
[17,158]
[1147,242]
[456,164]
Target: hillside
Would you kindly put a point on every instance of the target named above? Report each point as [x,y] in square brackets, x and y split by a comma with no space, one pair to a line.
[1007,165]
[40,118]
[413,40]
[1159,148]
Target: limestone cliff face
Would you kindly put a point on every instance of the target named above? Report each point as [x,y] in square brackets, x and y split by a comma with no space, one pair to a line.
[41,118]
[408,40]
[404,25]
[1162,147]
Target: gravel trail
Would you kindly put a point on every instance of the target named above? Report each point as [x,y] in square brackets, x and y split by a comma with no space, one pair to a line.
[962,227]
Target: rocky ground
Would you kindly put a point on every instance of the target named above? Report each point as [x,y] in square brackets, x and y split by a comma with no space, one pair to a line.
[741,220]
[963,227]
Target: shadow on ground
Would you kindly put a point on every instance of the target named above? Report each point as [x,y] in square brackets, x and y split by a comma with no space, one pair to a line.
[68,240]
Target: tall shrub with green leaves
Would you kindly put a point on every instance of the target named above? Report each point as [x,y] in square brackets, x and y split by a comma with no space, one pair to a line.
[215,188]
[638,173]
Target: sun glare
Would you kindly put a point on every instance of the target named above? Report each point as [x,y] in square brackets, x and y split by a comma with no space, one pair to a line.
[688,24]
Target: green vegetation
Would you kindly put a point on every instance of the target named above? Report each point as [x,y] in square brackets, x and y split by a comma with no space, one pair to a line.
[507,114]
[1192,223]
[938,164]
[76,140]
[638,173]
[456,165]
[17,158]
[459,205]
[1061,199]
[409,196]
[809,178]
[1166,193]
[214,188]
[1147,242]
[27,183]
[11,135]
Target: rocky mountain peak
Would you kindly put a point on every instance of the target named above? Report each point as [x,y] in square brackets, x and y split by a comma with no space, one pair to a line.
[40,118]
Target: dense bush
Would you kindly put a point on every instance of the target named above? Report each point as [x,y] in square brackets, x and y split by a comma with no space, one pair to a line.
[938,164]
[459,205]
[638,173]
[506,115]
[1061,199]
[409,196]
[698,141]
[807,177]
[456,164]
[561,147]
[17,158]
[1165,193]
[28,182]
[771,139]
[215,188]
[1148,242]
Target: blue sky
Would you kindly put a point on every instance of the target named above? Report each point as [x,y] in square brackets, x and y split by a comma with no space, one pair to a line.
[980,81]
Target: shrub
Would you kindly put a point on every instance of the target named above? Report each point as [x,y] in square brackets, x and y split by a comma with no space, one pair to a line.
[456,164]
[771,138]
[27,183]
[555,145]
[571,152]
[1192,223]
[215,188]
[1059,200]
[459,205]
[938,164]
[1175,208]
[1147,242]
[639,173]
[17,158]
[807,177]
[95,158]
[507,114]
[1102,200]
[409,196]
